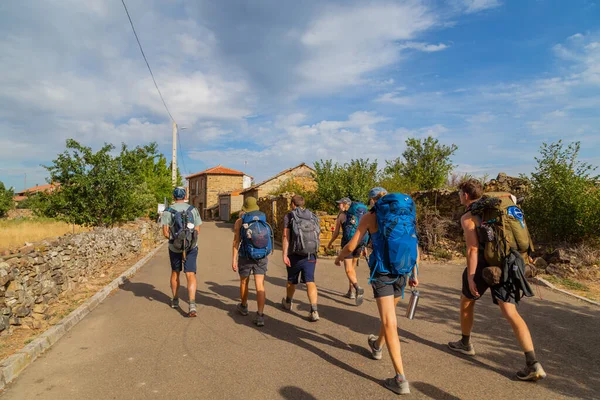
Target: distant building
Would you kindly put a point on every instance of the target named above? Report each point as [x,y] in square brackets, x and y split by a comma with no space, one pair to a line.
[23,195]
[302,174]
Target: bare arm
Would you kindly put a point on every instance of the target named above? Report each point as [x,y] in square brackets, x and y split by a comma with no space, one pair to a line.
[166,231]
[365,225]
[236,243]
[336,232]
[470,232]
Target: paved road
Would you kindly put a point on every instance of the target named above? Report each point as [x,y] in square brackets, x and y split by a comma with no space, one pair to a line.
[133,346]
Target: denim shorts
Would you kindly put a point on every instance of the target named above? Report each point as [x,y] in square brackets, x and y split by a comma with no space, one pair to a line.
[301,267]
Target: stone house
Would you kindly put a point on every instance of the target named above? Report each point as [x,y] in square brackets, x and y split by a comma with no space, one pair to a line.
[229,203]
[302,174]
[205,187]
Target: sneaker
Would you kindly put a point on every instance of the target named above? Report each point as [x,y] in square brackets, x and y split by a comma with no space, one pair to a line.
[242,309]
[350,295]
[396,386]
[286,305]
[532,373]
[313,316]
[175,303]
[360,296]
[375,352]
[259,320]
[193,311]
[468,350]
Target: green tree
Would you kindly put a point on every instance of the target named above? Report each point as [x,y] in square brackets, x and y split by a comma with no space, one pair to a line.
[6,199]
[564,203]
[425,164]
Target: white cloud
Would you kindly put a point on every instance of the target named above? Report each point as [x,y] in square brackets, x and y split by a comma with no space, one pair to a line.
[425,47]
[473,6]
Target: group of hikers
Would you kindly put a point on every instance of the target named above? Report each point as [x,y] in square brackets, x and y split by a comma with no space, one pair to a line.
[497,248]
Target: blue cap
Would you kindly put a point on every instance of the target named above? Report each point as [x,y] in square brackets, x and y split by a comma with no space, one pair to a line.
[376,191]
[179,193]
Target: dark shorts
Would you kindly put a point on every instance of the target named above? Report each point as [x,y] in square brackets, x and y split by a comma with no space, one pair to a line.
[499,292]
[302,267]
[356,253]
[190,260]
[248,266]
[386,285]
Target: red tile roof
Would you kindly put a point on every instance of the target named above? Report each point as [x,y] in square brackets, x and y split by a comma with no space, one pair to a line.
[39,188]
[218,170]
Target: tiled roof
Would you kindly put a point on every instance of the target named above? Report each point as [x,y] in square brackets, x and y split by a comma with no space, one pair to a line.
[218,170]
[274,177]
[39,188]
[19,198]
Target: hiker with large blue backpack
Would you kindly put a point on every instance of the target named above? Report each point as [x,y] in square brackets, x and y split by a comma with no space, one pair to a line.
[252,244]
[391,223]
[498,243]
[347,221]
[181,225]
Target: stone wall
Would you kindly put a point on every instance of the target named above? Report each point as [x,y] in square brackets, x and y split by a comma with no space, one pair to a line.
[301,175]
[218,184]
[33,277]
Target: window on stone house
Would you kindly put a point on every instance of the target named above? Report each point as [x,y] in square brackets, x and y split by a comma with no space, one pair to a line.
[196,192]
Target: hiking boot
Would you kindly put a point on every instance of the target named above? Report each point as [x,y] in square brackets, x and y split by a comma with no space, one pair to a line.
[259,320]
[532,373]
[286,305]
[350,295]
[175,302]
[375,352]
[313,316]
[397,386]
[193,311]
[468,350]
[242,309]
[360,296]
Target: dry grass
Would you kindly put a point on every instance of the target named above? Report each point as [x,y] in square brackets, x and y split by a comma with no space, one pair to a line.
[586,254]
[14,233]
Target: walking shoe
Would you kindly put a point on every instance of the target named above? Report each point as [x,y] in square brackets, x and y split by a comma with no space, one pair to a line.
[375,352]
[396,386]
[468,350]
[242,309]
[193,311]
[259,320]
[313,316]
[350,295]
[175,302]
[360,296]
[286,305]
[532,373]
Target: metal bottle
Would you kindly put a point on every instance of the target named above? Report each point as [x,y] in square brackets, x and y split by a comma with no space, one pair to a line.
[412,304]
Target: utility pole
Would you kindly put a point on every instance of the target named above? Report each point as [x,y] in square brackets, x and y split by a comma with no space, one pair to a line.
[174,157]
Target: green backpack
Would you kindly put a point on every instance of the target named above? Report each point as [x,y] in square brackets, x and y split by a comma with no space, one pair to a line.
[503,228]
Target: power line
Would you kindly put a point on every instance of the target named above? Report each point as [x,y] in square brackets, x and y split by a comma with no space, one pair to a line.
[147,64]
[180,149]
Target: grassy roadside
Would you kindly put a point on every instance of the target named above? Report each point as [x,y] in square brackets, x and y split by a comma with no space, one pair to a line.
[590,290]
[14,233]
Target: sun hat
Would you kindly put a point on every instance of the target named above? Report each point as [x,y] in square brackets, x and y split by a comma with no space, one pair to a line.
[250,204]
[344,200]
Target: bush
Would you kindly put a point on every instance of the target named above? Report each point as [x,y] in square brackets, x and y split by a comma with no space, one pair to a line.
[293,186]
[6,200]
[431,227]
[564,203]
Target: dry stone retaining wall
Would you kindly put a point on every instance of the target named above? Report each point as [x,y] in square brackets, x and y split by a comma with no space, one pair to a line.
[34,277]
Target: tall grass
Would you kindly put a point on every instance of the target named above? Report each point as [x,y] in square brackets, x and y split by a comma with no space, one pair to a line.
[14,233]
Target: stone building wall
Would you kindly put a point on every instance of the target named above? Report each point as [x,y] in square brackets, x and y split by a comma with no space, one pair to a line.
[302,175]
[33,278]
[218,184]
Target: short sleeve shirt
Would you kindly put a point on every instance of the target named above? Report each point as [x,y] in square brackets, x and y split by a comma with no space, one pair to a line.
[167,218]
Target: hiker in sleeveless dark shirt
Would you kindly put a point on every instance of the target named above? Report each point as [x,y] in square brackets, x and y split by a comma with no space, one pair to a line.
[176,256]
[474,286]
[300,262]
[387,291]
[355,292]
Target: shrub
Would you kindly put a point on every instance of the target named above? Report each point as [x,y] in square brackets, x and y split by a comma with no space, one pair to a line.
[6,199]
[431,227]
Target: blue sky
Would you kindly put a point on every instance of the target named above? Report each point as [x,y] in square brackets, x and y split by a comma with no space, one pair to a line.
[262,86]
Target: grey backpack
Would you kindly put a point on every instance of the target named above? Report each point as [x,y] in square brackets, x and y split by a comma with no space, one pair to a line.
[306,230]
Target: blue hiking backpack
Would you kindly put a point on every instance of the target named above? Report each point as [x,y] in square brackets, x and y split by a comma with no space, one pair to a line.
[356,211]
[183,237]
[396,247]
[256,236]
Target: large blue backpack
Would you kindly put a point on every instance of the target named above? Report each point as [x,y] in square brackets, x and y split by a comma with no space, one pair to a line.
[183,237]
[356,211]
[396,215]
[256,236]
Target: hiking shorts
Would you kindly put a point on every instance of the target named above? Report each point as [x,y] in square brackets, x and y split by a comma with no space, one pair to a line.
[386,285]
[190,260]
[248,266]
[499,292]
[301,267]
[356,253]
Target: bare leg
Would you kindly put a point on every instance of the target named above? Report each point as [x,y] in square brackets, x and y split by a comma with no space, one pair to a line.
[261,297]
[467,311]
[381,338]
[518,325]
[311,290]
[174,283]
[290,290]
[349,264]
[191,282]
[387,312]
[244,289]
